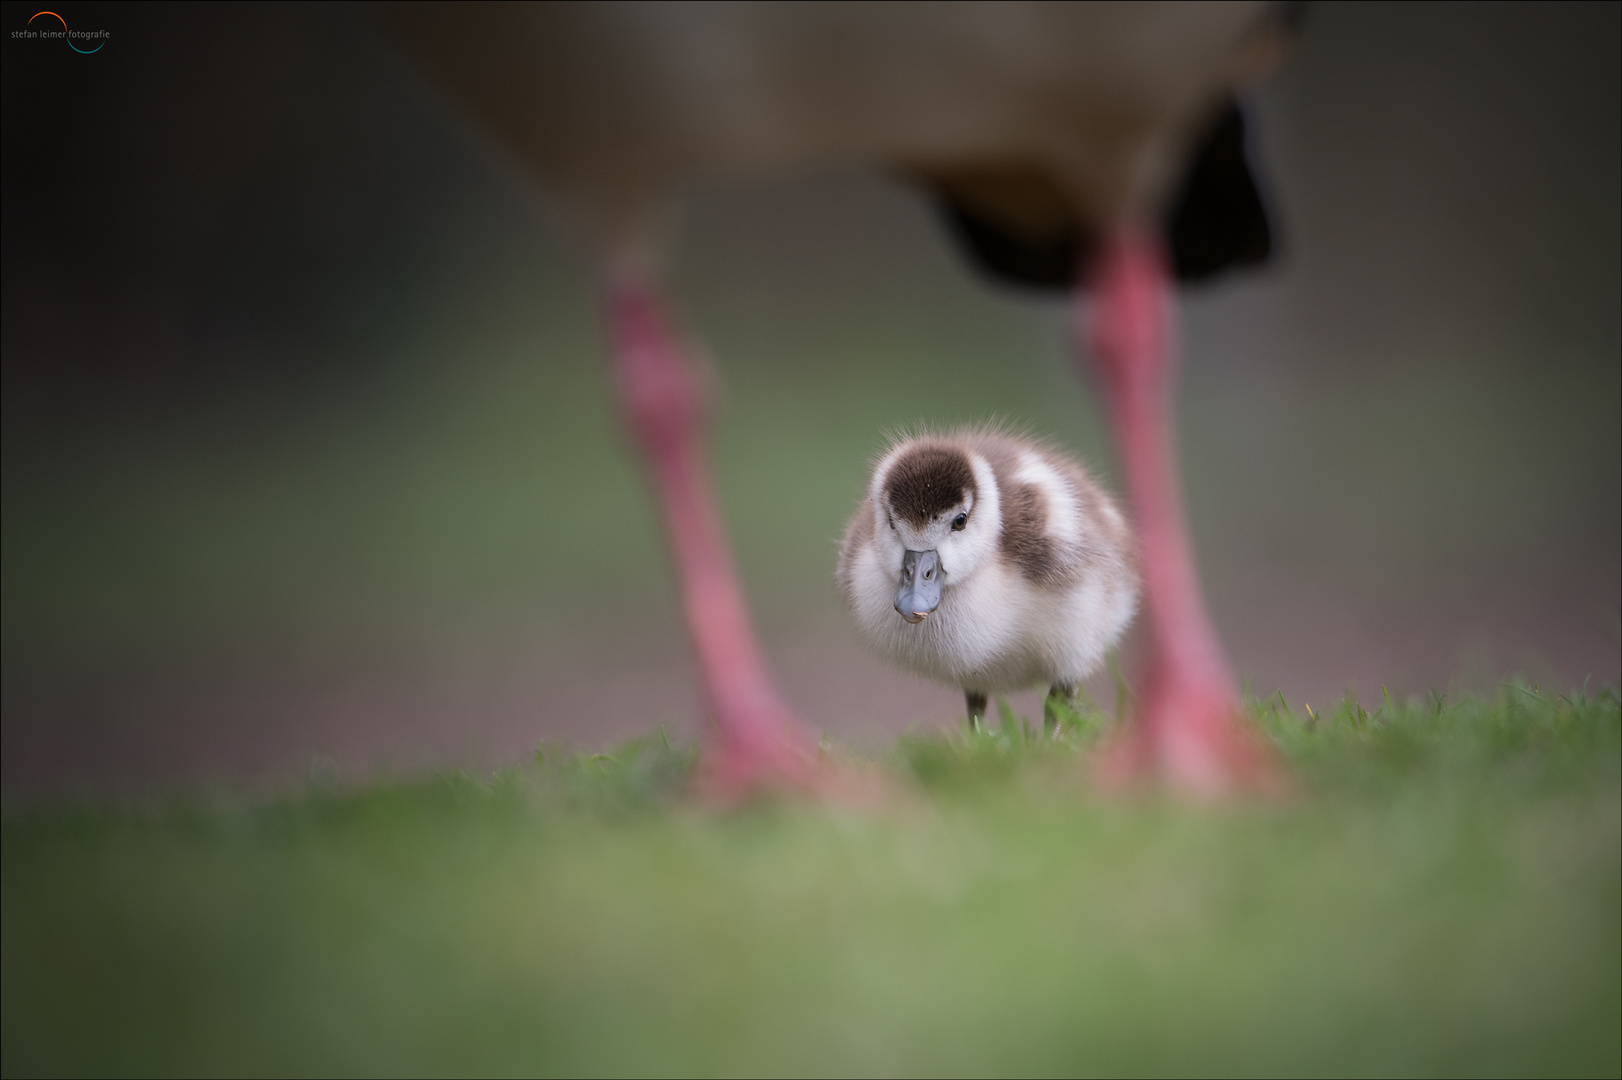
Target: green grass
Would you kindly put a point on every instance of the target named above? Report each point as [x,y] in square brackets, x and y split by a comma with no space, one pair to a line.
[1441,897]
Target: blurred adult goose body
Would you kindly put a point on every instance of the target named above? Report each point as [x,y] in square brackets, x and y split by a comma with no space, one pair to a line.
[1087,145]
[990,562]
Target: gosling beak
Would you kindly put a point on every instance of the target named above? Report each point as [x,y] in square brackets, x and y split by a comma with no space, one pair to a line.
[920,590]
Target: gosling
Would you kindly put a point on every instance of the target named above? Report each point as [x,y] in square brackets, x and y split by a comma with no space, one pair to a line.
[990,561]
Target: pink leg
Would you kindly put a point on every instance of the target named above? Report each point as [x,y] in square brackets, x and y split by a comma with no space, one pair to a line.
[1187,728]
[757,742]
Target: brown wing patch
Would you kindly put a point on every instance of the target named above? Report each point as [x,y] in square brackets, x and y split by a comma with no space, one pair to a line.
[1024,541]
[1104,542]
[926,481]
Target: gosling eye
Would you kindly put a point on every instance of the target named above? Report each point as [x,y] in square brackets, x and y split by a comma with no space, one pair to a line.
[959,522]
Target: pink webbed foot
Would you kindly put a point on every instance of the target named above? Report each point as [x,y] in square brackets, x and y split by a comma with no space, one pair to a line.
[1193,738]
[757,751]
[734,771]
[1187,730]
[760,750]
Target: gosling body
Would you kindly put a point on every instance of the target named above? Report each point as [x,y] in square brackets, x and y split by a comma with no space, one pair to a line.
[1037,575]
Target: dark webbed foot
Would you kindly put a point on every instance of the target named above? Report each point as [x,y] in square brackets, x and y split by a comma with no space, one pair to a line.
[977,708]
[1058,694]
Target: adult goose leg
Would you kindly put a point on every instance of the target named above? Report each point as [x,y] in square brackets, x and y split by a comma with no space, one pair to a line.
[1187,728]
[756,742]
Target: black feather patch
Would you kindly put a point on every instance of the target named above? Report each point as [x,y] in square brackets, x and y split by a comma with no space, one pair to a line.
[1047,262]
[927,481]
[1217,222]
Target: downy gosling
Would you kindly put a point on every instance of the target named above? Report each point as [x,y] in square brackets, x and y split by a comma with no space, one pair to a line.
[990,561]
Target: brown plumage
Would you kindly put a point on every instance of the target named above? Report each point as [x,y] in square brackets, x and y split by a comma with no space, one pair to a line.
[928,482]
[1024,541]
[1038,120]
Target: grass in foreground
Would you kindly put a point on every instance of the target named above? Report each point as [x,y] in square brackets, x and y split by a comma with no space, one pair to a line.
[1442,898]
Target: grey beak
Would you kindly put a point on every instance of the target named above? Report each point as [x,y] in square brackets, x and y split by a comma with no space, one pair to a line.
[920,591]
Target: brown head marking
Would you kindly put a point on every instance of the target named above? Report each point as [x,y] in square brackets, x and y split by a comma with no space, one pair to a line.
[926,481]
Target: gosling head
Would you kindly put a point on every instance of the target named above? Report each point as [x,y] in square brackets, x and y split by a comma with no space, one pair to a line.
[936,520]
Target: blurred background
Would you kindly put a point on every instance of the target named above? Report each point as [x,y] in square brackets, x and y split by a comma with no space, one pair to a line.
[310,461]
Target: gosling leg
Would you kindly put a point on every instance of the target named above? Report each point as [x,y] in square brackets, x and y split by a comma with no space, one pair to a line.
[1058,694]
